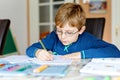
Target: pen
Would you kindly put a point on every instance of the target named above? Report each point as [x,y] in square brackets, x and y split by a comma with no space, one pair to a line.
[44,46]
[40,69]
[1,65]
[12,68]
[24,68]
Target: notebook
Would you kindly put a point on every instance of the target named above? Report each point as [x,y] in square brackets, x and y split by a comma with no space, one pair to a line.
[23,65]
[102,66]
[28,70]
[14,69]
[54,70]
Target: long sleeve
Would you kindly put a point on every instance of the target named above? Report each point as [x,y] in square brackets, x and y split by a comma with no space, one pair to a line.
[96,48]
[102,52]
[48,42]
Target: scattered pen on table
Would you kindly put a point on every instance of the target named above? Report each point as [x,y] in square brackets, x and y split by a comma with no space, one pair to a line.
[1,65]
[24,68]
[40,69]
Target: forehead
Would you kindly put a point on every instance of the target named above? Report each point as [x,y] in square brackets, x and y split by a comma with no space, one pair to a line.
[67,27]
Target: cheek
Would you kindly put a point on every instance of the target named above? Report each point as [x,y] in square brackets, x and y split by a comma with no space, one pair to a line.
[74,39]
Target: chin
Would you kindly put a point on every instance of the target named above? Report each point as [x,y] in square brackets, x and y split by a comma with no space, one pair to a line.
[65,44]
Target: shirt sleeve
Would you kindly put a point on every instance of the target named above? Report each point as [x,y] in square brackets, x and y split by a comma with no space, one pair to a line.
[97,48]
[101,49]
[48,42]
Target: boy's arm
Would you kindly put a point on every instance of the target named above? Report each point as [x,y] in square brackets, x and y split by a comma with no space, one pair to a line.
[96,48]
[31,50]
[102,52]
[48,42]
[75,55]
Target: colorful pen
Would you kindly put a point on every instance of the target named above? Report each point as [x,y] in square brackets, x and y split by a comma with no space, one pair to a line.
[1,65]
[40,69]
[24,68]
[13,67]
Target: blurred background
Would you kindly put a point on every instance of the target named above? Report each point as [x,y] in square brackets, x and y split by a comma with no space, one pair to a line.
[32,20]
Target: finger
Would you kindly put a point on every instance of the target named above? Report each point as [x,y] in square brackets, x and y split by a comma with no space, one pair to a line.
[41,56]
[45,55]
[49,56]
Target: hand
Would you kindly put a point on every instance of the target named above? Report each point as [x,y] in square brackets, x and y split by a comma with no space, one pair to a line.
[75,55]
[44,55]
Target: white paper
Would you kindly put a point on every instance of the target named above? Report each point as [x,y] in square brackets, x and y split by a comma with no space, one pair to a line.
[57,61]
[106,60]
[17,59]
[25,59]
[103,66]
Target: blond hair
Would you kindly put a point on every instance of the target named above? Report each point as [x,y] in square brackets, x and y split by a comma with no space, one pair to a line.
[70,13]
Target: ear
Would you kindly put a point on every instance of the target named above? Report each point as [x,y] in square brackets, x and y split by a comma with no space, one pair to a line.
[82,29]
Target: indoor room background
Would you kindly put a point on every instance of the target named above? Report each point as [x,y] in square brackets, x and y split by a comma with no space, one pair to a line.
[26,25]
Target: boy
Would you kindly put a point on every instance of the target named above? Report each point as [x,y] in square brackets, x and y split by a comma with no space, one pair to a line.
[70,40]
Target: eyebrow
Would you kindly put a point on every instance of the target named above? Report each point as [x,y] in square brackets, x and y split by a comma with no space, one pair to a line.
[67,30]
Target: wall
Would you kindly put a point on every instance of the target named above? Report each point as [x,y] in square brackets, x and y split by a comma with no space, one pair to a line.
[107,30]
[116,22]
[15,10]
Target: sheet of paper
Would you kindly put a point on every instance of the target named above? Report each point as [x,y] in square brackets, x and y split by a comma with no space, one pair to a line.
[106,60]
[57,61]
[25,59]
[101,68]
[17,59]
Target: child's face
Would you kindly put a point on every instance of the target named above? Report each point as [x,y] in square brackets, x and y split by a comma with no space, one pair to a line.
[67,34]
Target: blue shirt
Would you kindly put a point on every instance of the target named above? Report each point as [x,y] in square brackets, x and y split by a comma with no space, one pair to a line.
[87,44]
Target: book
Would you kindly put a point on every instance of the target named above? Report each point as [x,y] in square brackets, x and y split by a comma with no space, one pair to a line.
[103,67]
[14,69]
[22,65]
[55,70]
[8,69]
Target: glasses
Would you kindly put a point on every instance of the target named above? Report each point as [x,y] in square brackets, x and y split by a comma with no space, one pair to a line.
[69,34]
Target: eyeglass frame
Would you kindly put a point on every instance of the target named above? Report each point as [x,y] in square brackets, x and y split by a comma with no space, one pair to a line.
[68,34]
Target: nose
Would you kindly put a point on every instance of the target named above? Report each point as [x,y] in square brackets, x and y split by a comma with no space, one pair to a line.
[63,35]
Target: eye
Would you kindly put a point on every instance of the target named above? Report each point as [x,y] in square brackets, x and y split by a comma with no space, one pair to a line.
[58,30]
[69,32]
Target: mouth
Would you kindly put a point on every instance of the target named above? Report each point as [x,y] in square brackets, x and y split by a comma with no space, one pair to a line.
[65,42]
